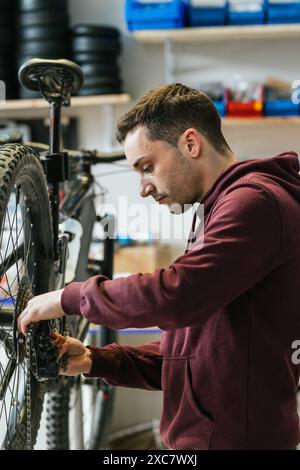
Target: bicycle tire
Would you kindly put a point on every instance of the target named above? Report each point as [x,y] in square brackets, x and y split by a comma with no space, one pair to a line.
[22,187]
[57,416]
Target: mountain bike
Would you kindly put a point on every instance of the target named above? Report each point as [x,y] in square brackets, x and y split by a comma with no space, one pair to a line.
[44,193]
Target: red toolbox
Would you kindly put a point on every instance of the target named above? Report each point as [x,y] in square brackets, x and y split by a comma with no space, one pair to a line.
[251,108]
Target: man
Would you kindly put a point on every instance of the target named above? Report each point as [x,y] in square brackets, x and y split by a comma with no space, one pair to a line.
[229,309]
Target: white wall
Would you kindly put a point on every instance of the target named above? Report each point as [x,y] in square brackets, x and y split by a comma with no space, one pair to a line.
[143,69]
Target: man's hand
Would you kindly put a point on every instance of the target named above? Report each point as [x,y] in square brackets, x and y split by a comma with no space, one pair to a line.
[42,307]
[78,357]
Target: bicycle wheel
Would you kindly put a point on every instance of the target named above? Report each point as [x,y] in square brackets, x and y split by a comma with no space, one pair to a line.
[92,402]
[26,260]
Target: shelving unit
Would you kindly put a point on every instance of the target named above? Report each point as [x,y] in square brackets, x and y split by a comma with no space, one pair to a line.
[170,37]
[38,107]
[215,34]
[263,121]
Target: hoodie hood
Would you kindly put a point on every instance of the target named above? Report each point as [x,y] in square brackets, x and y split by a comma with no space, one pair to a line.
[282,169]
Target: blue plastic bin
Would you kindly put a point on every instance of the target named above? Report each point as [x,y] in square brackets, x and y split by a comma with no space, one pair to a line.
[163,15]
[281,108]
[206,16]
[245,17]
[278,13]
[221,107]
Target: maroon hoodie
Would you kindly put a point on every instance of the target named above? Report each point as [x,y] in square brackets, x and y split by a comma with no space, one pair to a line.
[229,312]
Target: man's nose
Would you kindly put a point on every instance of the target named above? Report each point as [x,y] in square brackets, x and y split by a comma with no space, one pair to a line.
[146,189]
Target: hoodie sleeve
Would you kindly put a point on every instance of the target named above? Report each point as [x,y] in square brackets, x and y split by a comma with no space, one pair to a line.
[128,366]
[241,246]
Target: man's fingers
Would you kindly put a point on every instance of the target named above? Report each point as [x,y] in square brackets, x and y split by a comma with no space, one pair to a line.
[25,319]
[58,338]
[24,322]
[61,343]
[19,320]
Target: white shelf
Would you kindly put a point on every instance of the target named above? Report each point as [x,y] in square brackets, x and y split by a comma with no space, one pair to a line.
[216,34]
[263,121]
[38,106]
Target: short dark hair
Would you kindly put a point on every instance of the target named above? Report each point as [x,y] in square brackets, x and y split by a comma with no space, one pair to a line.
[167,111]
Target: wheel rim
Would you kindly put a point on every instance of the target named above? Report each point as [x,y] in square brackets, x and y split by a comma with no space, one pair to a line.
[17,259]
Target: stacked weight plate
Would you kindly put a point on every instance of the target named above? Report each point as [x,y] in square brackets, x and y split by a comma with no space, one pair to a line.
[96,49]
[42,32]
[7,48]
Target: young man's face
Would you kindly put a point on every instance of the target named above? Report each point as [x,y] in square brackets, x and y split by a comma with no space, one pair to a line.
[166,175]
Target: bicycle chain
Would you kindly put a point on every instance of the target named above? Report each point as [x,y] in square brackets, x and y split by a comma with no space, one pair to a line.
[37,342]
[23,297]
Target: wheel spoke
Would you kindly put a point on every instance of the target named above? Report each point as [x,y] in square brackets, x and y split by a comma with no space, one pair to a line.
[13,376]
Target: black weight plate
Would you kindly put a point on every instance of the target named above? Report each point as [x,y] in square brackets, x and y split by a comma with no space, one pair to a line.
[95,82]
[6,20]
[46,55]
[32,5]
[6,62]
[100,69]
[94,58]
[43,47]
[6,67]
[104,90]
[43,32]
[21,60]
[12,94]
[7,6]
[95,30]
[92,44]
[44,18]
[6,37]
[28,94]
[7,76]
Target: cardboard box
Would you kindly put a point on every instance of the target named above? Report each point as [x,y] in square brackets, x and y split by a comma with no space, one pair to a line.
[145,258]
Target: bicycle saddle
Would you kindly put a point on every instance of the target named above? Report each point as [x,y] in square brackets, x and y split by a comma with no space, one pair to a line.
[55,79]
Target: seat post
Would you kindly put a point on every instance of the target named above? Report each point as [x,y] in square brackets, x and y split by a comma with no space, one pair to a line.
[55,126]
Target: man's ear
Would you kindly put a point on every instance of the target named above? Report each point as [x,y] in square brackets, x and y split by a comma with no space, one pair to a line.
[190,143]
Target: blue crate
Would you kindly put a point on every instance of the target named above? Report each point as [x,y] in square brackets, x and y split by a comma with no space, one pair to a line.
[281,108]
[278,13]
[162,15]
[244,17]
[221,107]
[200,16]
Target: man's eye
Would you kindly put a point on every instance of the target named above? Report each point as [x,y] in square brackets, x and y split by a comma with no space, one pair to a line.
[147,169]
